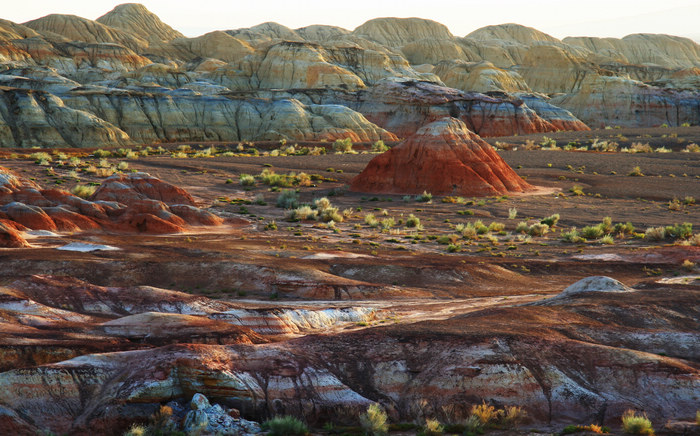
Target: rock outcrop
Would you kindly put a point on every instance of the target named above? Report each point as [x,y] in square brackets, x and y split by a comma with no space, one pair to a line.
[134,203]
[606,101]
[184,115]
[479,77]
[668,51]
[35,118]
[442,158]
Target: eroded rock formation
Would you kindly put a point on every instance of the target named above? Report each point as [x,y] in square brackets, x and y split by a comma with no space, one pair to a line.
[442,158]
[135,203]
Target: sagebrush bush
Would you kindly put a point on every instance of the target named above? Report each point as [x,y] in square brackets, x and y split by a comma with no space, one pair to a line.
[486,414]
[538,230]
[288,199]
[432,428]
[636,424]
[83,191]
[592,232]
[655,233]
[572,236]
[412,221]
[285,426]
[301,213]
[379,147]
[373,421]
[513,416]
[551,220]
[342,145]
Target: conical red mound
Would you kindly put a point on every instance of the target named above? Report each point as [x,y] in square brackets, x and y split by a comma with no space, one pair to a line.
[442,158]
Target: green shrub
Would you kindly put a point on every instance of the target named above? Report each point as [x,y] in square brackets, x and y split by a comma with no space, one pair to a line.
[425,197]
[301,213]
[246,180]
[412,221]
[288,199]
[496,227]
[636,424]
[636,172]
[343,145]
[551,220]
[592,232]
[432,428]
[486,414]
[83,191]
[655,233]
[285,426]
[572,236]
[679,231]
[371,220]
[373,421]
[99,153]
[513,416]
[576,190]
[538,230]
[379,147]
[387,223]
[522,227]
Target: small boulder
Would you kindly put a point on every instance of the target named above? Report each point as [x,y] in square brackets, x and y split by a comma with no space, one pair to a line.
[199,402]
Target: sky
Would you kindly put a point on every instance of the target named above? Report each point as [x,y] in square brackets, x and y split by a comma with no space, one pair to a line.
[602,18]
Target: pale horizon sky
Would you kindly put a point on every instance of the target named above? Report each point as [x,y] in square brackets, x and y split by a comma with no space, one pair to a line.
[602,18]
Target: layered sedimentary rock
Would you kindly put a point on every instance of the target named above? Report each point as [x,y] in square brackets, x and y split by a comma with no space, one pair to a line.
[644,49]
[35,118]
[74,28]
[442,158]
[397,32]
[320,33]
[182,116]
[570,359]
[433,51]
[135,203]
[602,101]
[403,106]
[217,45]
[135,19]
[479,77]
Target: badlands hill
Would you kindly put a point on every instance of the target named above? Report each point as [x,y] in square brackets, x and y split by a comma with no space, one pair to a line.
[131,78]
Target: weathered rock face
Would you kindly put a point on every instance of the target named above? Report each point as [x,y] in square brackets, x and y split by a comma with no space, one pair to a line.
[433,51]
[602,101]
[585,358]
[442,158]
[560,118]
[550,69]
[479,77]
[135,19]
[74,28]
[511,32]
[217,45]
[643,49]
[402,107]
[321,33]
[182,116]
[397,32]
[134,202]
[35,118]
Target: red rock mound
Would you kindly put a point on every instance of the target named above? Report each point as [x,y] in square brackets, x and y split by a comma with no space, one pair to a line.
[133,202]
[442,158]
